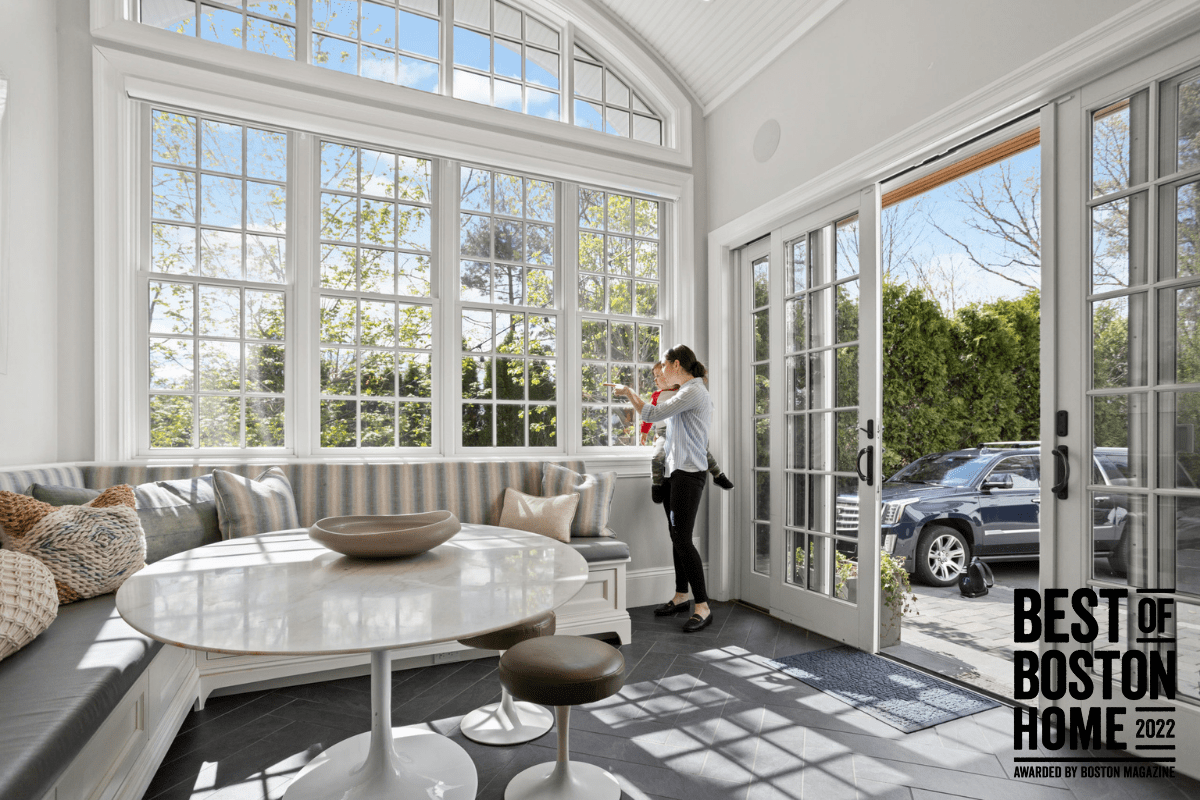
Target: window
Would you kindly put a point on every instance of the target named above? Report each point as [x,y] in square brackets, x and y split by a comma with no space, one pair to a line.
[507,226]
[263,26]
[376,341]
[505,58]
[620,269]
[496,53]
[258,336]
[379,41]
[217,320]
[604,102]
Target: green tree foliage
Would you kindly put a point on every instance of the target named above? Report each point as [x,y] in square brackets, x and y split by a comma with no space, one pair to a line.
[954,382]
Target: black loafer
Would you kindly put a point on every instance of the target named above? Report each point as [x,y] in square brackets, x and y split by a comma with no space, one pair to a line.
[697,623]
[671,607]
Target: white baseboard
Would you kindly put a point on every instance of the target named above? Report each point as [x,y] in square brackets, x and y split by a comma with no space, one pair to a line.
[649,587]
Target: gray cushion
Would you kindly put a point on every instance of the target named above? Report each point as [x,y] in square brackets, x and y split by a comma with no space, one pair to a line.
[600,549]
[60,687]
[176,515]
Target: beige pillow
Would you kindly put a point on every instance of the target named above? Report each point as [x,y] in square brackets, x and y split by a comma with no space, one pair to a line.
[28,600]
[549,516]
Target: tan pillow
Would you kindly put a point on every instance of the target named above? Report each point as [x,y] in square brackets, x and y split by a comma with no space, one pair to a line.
[28,600]
[549,516]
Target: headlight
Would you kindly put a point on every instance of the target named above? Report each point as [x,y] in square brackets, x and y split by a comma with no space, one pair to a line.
[893,509]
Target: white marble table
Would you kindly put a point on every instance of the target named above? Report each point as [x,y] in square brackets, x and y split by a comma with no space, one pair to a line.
[283,594]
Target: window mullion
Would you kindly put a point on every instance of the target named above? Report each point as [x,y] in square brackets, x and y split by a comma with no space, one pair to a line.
[446,299]
[304,32]
[303,351]
[570,404]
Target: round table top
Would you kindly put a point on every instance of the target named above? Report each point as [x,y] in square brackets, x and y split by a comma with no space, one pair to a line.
[284,594]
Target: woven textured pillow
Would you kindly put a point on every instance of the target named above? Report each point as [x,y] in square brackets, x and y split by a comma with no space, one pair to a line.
[90,551]
[176,515]
[28,600]
[595,497]
[549,516]
[19,512]
[246,507]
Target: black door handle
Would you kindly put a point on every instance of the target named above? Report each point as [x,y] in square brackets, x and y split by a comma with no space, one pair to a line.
[870,476]
[1062,472]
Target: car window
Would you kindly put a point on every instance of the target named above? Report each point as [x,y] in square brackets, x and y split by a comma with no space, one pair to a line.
[1023,469]
[943,469]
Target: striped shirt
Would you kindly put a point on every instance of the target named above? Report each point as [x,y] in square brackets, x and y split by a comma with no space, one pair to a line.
[688,415]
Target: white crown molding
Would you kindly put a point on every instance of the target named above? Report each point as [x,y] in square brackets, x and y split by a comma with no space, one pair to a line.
[1146,26]
[765,60]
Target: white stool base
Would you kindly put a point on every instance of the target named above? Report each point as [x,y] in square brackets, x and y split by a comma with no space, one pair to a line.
[491,724]
[563,780]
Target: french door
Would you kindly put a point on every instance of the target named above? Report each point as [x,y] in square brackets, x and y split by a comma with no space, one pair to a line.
[809,312]
[1121,354]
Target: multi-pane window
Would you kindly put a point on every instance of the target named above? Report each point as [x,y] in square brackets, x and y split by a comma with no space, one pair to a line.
[505,58]
[507,227]
[760,321]
[604,102]
[394,41]
[619,285]
[376,334]
[216,313]
[260,26]
[498,54]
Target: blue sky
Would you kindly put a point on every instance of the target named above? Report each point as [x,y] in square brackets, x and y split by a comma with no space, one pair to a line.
[948,270]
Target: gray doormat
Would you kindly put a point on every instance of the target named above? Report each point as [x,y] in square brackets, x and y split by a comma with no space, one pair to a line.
[904,698]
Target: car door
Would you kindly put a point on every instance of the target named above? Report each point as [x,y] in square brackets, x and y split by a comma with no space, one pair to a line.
[1010,514]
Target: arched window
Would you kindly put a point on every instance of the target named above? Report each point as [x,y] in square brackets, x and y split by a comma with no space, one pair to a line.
[482,51]
[605,102]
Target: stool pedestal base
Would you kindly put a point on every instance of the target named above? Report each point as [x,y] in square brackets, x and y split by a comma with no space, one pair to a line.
[507,722]
[563,780]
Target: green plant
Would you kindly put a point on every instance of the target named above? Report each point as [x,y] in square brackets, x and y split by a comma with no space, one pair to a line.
[894,586]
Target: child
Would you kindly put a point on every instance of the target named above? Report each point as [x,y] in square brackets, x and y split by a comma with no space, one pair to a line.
[660,452]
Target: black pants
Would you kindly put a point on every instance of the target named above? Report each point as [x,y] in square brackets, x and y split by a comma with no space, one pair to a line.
[682,492]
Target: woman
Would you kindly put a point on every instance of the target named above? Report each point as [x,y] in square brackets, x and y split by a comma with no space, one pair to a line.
[688,415]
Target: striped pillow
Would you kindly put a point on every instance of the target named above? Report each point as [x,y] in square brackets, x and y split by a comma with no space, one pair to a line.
[595,496]
[246,507]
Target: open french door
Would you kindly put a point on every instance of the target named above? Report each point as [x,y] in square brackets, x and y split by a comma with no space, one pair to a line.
[809,305]
[1121,360]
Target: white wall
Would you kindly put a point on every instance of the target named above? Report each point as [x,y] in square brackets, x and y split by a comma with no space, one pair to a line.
[29,388]
[870,70]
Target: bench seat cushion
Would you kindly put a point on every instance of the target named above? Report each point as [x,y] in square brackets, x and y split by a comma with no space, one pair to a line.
[600,549]
[60,688]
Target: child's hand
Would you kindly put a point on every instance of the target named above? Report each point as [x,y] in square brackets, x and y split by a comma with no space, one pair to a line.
[619,388]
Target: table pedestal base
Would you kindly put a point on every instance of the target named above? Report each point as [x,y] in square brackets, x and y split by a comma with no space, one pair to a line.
[427,765]
[387,763]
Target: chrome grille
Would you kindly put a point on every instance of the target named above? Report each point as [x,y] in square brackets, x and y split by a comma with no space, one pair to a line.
[847,517]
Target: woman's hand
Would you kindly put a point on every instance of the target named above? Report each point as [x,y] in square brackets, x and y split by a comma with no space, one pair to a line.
[621,389]
[627,391]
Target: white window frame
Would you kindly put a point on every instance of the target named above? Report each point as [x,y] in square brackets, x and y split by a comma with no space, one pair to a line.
[115,21]
[126,80]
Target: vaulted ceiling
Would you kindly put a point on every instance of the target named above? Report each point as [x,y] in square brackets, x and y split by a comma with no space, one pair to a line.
[717,46]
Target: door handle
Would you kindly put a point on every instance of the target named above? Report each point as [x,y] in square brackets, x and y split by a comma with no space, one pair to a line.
[870,476]
[1062,472]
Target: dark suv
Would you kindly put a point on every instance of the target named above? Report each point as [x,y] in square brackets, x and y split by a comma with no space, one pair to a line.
[942,509]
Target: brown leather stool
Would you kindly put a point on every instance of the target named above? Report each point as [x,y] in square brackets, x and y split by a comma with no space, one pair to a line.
[563,671]
[509,722]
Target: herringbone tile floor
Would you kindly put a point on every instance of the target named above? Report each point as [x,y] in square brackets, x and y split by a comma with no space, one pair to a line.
[699,718]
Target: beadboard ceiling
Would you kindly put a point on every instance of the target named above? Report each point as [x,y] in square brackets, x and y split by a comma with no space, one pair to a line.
[715,47]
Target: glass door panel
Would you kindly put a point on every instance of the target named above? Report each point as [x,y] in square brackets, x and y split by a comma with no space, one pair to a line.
[757,316]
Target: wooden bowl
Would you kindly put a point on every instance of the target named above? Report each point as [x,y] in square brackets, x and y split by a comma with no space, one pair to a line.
[385,536]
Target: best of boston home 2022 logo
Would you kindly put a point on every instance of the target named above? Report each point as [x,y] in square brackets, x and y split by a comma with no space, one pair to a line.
[1086,674]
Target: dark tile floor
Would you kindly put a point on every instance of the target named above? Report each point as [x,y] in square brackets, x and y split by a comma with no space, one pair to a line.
[700,717]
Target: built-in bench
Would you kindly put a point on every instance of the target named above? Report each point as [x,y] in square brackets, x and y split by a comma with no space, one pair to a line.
[91,706]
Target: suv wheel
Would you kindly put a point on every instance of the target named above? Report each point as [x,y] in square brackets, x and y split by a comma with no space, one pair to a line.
[942,555]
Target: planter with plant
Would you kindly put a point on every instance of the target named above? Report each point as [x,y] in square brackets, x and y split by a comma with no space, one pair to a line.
[895,592]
